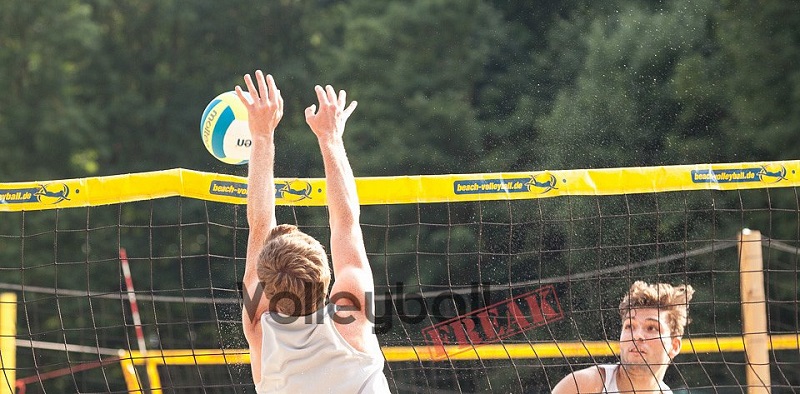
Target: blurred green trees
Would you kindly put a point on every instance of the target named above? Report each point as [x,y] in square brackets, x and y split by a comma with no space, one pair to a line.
[102,87]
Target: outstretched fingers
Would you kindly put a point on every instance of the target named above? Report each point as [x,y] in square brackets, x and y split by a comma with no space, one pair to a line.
[266,94]
[310,111]
[263,102]
[331,94]
[262,87]
[241,95]
[328,117]
[251,88]
[350,108]
[322,96]
[274,93]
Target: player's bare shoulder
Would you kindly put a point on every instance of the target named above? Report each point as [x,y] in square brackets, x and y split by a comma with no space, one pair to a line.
[587,380]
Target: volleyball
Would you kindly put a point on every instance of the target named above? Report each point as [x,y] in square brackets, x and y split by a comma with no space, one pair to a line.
[224,129]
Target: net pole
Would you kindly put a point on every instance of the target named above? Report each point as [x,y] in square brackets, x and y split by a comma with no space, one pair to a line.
[8,343]
[150,371]
[137,321]
[754,312]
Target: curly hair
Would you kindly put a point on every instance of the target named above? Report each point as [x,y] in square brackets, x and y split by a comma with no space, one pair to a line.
[663,297]
[293,267]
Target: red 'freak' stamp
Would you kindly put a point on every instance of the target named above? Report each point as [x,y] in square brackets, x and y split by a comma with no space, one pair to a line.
[494,322]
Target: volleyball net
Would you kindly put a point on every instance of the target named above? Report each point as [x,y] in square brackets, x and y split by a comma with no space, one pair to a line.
[484,282]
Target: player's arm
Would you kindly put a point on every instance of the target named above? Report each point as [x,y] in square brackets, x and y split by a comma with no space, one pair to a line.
[264,110]
[352,272]
[588,380]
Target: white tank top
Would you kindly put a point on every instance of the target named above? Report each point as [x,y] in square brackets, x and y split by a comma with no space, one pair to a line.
[610,383]
[307,354]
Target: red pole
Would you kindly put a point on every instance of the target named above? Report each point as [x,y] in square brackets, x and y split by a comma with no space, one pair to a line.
[137,321]
[23,382]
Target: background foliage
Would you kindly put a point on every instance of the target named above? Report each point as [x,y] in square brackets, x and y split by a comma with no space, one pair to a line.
[107,87]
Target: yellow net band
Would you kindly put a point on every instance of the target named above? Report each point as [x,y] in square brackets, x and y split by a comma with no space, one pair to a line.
[484,352]
[40,195]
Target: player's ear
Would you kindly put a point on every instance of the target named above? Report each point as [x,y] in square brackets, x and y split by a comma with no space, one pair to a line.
[675,348]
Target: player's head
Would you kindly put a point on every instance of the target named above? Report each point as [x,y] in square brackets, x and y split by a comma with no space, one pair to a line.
[653,321]
[293,268]
[673,300]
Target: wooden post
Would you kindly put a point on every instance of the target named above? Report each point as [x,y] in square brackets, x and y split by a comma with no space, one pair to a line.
[754,312]
[8,343]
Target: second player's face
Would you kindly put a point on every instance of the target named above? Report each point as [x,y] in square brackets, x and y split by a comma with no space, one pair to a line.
[646,341]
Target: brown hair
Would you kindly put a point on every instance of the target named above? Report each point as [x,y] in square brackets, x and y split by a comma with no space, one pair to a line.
[293,268]
[663,297]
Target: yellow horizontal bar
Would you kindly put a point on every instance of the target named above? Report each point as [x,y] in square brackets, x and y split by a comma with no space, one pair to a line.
[500,351]
[52,194]
[482,352]
[190,357]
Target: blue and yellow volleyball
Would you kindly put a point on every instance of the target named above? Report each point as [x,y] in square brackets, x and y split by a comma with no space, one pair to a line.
[224,128]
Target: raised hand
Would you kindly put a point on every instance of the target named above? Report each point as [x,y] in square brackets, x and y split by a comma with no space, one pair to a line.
[329,121]
[264,106]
